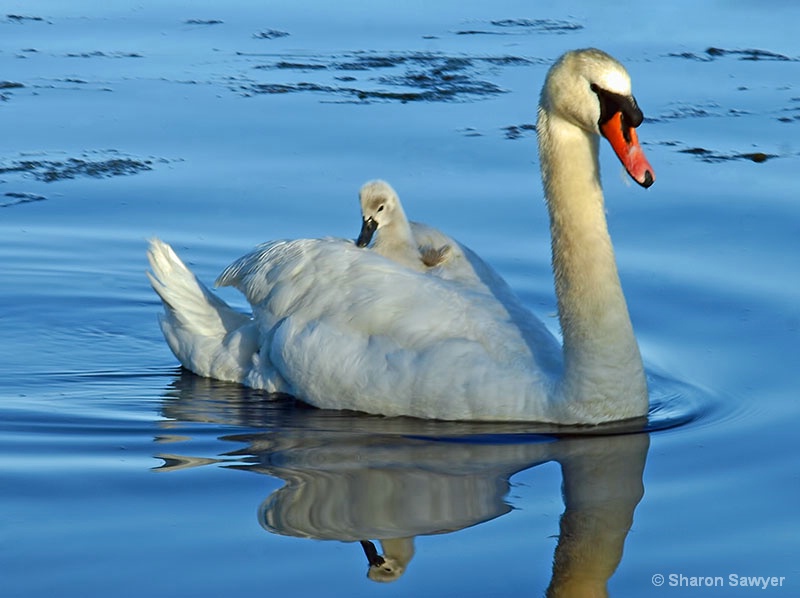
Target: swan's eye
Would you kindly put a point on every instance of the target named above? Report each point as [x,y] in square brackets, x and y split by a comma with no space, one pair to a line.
[380,209]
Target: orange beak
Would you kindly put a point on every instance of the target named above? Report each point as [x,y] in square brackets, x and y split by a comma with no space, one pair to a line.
[625,142]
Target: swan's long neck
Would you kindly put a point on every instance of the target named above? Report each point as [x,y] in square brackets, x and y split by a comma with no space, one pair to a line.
[603,376]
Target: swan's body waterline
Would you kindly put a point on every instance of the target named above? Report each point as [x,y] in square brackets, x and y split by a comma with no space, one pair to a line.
[344,328]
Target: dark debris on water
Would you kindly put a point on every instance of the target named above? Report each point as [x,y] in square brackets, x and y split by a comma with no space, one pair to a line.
[203,22]
[7,85]
[522,26]
[49,171]
[353,93]
[270,34]
[752,54]
[680,111]
[14,198]
[792,113]
[99,164]
[518,131]
[99,54]
[13,18]
[706,155]
[426,76]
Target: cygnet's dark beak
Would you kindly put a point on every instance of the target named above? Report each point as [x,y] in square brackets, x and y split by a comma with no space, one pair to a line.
[368,227]
[375,560]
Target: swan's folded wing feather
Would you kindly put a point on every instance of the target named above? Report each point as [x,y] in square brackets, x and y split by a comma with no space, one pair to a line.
[333,281]
[347,328]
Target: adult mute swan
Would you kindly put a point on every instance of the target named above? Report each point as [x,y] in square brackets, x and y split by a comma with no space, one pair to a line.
[344,328]
[383,217]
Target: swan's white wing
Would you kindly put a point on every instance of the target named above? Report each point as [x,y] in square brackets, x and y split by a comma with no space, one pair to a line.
[349,329]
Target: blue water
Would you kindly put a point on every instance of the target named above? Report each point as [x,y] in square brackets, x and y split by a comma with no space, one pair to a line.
[208,126]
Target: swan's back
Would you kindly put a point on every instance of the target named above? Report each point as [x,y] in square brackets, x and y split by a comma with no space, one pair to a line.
[385,339]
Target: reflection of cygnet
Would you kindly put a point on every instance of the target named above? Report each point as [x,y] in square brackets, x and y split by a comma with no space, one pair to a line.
[390,566]
[383,216]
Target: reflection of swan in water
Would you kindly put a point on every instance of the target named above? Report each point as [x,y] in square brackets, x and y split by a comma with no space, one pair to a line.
[356,478]
[395,489]
[351,487]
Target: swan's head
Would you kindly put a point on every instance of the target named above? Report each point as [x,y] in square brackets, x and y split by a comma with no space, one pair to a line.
[591,90]
[380,207]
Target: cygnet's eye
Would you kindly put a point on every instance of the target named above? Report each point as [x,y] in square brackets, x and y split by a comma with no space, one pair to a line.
[380,209]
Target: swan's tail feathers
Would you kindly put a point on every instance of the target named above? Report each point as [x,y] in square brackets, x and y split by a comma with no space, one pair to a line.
[206,335]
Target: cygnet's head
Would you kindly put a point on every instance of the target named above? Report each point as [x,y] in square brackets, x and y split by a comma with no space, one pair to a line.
[380,207]
[389,570]
[384,568]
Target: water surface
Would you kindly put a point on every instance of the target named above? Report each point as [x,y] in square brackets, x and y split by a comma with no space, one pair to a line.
[218,126]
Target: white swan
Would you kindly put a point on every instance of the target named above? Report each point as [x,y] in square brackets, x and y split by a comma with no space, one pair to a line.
[383,217]
[343,328]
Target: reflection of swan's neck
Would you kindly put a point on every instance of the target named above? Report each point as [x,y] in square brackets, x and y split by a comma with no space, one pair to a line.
[602,486]
[601,358]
